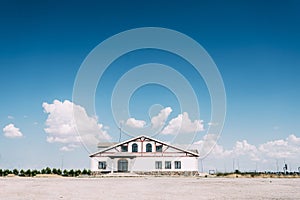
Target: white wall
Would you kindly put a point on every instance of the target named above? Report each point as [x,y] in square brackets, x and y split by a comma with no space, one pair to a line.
[147,163]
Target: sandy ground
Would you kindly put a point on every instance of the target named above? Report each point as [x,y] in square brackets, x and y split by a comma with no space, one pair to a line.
[148,188]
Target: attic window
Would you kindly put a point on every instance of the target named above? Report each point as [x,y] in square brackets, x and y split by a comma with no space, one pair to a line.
[149,147]
[124,148]
[159,148]
[134,147]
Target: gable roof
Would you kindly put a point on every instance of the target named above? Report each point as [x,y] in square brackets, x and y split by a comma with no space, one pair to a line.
[146,137]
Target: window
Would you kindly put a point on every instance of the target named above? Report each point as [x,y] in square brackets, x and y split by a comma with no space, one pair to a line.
[102,165]
[177,164]
[158,165]
[168,165]
[159,148]
[124,148]
[149,147]
[134,147]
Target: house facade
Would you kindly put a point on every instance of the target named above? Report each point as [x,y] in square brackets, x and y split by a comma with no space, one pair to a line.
[144,155]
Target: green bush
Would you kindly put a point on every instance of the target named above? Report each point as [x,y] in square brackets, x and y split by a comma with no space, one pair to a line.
[22,172]
[65,173]
[34,172]
[47,170]
[16,172]
[59,172]
[28,173]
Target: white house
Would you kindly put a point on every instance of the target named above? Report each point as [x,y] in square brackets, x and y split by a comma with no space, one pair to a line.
[145,155]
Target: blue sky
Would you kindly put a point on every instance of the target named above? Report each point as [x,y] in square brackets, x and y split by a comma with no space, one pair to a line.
[254,44]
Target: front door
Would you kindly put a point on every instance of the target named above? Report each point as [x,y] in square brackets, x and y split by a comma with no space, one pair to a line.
[122,165]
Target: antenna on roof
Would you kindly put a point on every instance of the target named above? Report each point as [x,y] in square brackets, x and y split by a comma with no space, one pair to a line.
[120,128]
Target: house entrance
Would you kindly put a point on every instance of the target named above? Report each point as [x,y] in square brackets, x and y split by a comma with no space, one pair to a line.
[122,165]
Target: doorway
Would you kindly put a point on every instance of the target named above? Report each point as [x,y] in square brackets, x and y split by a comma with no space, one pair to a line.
[122,165]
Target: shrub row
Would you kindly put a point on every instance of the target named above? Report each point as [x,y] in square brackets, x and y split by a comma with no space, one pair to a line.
[47,170]
[253,174]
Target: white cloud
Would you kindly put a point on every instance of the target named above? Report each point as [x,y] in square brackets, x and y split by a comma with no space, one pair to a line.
[183,124]
[157,121]
[63,127]
[208,142]
[243,154]
[244,148]
[292,139]
[10,117]
[212,124]
[11,131]
[70,147]
[134,123]
[160,119]
[287,148]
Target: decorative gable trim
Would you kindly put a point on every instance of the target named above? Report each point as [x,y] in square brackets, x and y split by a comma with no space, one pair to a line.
[143,138]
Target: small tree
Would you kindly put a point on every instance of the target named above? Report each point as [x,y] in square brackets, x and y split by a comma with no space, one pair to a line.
[43,171]
[22,172]
[7,171]
[59,172]
[16,172]
[77,172]
[54,171]
[34,172]
[48,170]
[84,172]
[65,173]
[28,172]
[71,172]
[1,172]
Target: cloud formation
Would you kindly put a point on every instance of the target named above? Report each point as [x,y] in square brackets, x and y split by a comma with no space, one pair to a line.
[277,149]
[180,124]
[267,154]
[183,124]
[134,123]
[160,119]
[69,124]
[10,131]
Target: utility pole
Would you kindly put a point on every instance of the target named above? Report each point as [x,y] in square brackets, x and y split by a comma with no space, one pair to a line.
[62,162]
[201,163]
[120,128]
[255,166]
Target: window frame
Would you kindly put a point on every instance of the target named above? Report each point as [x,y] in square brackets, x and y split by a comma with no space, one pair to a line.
[148,147]
[158,164]
[167,164]
[159,148]
[124,148]
[135,145]
[102,164]
[177,164]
